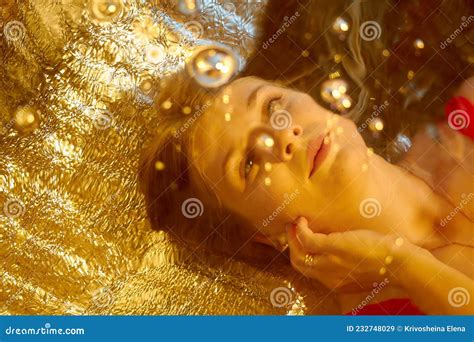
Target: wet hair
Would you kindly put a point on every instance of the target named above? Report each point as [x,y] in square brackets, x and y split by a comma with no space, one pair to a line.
[165,170]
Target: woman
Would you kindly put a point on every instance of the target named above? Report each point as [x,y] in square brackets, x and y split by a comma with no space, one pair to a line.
[350,218]
[244,169]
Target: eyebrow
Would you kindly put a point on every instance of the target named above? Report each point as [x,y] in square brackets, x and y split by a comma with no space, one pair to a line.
[225,164]
[253,96]
[250,102]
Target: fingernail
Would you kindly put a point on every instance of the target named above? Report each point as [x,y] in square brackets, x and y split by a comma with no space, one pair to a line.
[301,221]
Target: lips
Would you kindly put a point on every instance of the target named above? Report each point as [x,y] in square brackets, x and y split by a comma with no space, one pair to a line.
[317,152]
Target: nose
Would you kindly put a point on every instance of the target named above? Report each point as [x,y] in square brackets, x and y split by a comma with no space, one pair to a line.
[280,145]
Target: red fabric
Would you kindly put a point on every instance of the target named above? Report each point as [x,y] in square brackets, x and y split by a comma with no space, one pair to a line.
[392,307]
[460,115]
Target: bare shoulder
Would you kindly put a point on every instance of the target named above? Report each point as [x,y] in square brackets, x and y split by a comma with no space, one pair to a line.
[444,159]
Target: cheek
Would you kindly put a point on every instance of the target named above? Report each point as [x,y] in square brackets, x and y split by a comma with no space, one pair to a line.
[311,112]
[269,205]
[351,133]
[279,184]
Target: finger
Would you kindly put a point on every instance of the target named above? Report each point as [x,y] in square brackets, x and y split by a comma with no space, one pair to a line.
[296,249]
[319,263]
[316,267]
[298,255]
[312,242]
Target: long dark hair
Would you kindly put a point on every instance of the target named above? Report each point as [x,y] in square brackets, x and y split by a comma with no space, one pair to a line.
[424,51]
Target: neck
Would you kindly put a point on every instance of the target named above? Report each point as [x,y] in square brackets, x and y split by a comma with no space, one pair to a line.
[405,205]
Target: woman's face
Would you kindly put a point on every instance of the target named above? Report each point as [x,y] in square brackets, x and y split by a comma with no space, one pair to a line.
[272,154]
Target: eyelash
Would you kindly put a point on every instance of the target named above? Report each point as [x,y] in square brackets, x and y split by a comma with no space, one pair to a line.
[248,158]
[269,103]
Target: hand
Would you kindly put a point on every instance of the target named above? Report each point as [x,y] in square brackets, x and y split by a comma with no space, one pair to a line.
[348,261]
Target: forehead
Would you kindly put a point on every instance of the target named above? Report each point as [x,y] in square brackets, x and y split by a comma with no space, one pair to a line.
[222,125]
[228,111]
